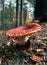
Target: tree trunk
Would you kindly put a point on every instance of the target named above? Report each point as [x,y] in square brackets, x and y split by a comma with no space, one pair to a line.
[10,11]
[40,12]
[21,13]
[17,5]
[2,14]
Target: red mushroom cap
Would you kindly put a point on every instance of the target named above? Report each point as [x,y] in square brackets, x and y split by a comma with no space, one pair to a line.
[24,30]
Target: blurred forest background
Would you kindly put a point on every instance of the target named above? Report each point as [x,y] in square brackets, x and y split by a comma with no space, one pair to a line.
[8,13]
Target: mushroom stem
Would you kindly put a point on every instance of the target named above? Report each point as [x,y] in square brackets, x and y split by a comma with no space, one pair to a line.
[22,40]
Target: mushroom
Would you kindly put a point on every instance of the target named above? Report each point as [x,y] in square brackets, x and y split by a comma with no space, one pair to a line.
[23,31]
[36,58]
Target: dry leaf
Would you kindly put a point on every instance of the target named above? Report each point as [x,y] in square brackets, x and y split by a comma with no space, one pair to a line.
[0,60]
[30,48]
[39,50]
[36,58]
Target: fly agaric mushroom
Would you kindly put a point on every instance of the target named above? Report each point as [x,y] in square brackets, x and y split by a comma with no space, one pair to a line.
[21,32]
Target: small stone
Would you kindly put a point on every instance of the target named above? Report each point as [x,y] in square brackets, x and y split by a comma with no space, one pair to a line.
[8,43]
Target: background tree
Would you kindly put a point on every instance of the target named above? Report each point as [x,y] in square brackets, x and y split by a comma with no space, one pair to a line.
[40,12]
[17,12]
[2,14]
[7,13]
[32,1]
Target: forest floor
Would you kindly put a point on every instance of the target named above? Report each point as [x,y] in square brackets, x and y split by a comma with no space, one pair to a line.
[40,40]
